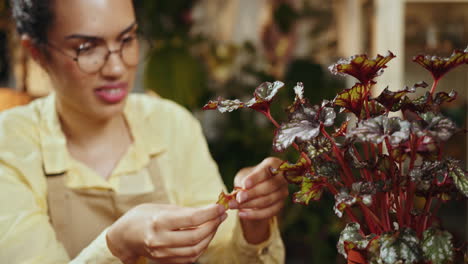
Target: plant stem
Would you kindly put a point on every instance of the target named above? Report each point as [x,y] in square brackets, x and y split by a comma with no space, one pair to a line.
[372,219]
[268,115]
[339,157]
[434,85]
[425,215]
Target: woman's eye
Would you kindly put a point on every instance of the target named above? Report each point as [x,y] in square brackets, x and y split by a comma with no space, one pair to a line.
[128,39]
[85,47]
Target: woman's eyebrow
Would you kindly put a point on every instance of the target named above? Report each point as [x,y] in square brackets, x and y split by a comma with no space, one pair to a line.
[88,37]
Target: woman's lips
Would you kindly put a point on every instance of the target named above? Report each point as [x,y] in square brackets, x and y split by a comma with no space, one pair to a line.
[112,93]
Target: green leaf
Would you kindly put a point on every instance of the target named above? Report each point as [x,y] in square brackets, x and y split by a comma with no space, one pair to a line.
[439,66]
[459,176]
[361,67]
[437,246]
[311,189]
[402,245]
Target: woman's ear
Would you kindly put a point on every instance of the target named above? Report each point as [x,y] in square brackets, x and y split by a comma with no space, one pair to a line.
[32,49]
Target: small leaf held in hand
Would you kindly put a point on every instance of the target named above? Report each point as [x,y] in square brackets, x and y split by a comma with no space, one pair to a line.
[362,68]
[225,198]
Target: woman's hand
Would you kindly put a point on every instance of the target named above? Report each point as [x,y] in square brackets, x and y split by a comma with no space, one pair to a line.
[168,234]
[262,198]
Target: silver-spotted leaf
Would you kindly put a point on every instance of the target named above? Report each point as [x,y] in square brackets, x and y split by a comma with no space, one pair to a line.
[434,125]
[376,129]
[437,246]
[351,235]
[459,176]
[401,246]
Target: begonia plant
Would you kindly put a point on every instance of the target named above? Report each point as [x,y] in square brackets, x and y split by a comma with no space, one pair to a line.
[376,163]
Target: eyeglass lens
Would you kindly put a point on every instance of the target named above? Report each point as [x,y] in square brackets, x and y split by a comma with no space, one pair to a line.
[93,59]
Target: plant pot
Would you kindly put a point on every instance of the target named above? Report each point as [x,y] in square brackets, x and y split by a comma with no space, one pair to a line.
[356,257]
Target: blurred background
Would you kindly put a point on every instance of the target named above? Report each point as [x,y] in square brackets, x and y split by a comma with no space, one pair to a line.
[200,49]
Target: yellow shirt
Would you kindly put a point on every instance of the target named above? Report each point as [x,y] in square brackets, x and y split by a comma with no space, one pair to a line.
[32,145]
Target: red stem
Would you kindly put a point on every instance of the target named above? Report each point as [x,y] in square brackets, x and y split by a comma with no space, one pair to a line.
[372,220]
[434,85]
[349,175]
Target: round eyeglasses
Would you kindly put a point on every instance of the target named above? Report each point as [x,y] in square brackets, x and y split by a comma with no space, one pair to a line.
[91,58]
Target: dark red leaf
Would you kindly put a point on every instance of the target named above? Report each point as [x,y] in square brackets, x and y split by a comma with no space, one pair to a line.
[438,66]
[352,99]
[362,68]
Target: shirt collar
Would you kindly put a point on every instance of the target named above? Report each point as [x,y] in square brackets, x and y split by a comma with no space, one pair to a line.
[146,143]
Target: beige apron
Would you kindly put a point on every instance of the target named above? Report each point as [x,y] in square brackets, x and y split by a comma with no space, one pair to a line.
[79,216]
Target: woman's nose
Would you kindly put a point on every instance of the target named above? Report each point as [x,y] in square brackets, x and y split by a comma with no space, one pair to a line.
[113,67]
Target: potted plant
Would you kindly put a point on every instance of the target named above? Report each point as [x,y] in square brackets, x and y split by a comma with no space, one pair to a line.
[376,164]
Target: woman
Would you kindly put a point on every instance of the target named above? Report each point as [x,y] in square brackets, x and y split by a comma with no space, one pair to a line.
[96,175]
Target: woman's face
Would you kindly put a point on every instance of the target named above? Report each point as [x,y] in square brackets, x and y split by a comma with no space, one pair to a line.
[79,28]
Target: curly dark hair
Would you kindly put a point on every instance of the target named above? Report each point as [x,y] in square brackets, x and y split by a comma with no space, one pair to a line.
[34,17]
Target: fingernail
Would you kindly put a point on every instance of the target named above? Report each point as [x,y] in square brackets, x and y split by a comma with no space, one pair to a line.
[241,197]
[243,214]
[248,184]
[233,204]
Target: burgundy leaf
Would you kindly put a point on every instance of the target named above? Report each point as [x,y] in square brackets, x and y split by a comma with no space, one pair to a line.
[438,66]
[352,100]
[362,68]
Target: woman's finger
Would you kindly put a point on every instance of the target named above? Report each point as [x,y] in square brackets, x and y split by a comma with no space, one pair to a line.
[181,252]
[260,173]
[267,200]
[261,189]
[260,214]
[186,237]
[192,217]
